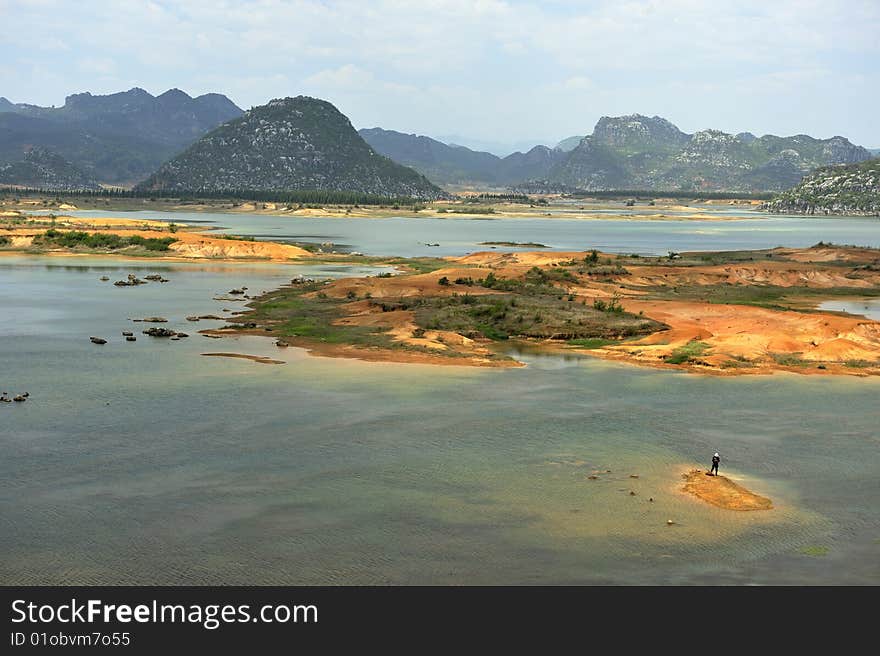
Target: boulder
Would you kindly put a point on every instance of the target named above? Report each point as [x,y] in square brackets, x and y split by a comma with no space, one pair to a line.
[98,340]
[160,332]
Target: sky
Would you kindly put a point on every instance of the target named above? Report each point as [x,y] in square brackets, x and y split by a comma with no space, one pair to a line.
[506,73]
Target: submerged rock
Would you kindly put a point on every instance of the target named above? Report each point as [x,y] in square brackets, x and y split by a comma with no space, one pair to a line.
[130,338]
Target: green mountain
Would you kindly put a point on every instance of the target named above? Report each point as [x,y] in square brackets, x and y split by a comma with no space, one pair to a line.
[446,164]
[640,152]
[118,138]
[844,189]
[288,144]
[43,169]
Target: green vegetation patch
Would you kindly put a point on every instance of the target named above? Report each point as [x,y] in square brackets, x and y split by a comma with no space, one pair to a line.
[101,240]
[790,360]
[592,342]
[688,353]
[290,313]
[814,550]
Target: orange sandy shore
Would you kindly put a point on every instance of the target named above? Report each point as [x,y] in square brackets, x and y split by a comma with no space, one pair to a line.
[738,339]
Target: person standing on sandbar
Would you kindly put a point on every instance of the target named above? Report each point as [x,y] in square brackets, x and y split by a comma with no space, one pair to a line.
[715,460]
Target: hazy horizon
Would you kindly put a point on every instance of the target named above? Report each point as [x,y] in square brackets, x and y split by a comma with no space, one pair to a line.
[486,72]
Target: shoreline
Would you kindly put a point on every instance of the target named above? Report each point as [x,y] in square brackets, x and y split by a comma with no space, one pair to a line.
[764,320]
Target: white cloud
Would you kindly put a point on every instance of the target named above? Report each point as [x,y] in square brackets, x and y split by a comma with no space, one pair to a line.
[493,67]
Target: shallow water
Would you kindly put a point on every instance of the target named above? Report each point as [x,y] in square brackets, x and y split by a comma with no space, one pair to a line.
[147,463]
[409,236]
[867,307]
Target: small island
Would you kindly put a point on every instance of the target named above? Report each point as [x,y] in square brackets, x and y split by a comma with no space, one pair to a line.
[722,492]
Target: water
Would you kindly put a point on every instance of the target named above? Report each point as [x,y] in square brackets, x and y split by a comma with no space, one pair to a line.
[408,236]
[867,307]
[146,462]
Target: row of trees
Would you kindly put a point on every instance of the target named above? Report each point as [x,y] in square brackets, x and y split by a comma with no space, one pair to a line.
[302,197]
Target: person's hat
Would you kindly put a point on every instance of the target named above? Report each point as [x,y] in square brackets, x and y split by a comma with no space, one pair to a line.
[716,453]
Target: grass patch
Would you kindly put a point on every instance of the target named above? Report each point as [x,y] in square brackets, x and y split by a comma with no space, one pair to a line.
[814,550]
[860,364]
[101,240]
[542,316]
[416,264]
[737,362]
[291,314]
[790,360]
[592,342]
[687,353]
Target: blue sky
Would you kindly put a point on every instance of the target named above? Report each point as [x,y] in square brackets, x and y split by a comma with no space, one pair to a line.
[498,71]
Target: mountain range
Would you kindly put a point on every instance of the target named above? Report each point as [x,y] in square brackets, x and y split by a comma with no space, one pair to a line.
[297,143]
[452,165]
[175,141]
[629,152]
[118,138]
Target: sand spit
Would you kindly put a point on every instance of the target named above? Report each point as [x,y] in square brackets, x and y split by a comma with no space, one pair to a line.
[722,492]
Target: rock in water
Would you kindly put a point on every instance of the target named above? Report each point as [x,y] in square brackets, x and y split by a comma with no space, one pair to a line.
[159,332]
[98,340]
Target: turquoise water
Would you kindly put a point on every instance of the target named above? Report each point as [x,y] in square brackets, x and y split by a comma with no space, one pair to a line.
[408,236]
[146,462]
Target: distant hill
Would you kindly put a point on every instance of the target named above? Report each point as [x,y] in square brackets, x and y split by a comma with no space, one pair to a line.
[118,138]
[640,152]
[569,144]
[843,189]
[447,164]
[43,169]
[875,152]
[288,144]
